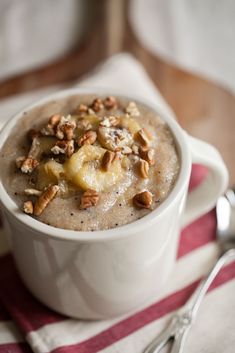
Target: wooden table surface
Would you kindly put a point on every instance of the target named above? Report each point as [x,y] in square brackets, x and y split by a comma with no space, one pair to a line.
[204,109]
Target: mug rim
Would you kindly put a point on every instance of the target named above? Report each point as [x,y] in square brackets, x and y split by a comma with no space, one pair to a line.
[44,230]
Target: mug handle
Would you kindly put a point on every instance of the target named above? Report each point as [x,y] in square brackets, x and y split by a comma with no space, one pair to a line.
[203,198]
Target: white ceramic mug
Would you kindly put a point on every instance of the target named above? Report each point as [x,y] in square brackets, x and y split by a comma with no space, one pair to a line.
[101,274]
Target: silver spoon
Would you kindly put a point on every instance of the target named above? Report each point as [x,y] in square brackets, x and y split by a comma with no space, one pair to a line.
[184,317]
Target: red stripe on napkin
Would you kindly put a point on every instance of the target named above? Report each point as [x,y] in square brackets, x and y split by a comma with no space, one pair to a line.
[144,317]
[21,347]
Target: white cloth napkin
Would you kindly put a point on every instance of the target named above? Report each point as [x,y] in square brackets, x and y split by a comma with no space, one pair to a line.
[196,35]
[213,331]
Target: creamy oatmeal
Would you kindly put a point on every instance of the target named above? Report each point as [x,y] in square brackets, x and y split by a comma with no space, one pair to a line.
[88,163]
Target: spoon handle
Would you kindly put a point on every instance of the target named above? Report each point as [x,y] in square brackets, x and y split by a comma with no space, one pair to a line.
[194,302]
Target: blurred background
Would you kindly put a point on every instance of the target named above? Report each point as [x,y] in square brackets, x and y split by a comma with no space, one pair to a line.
[186,46]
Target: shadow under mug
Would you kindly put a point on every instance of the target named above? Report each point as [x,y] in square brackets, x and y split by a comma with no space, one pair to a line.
[101,274]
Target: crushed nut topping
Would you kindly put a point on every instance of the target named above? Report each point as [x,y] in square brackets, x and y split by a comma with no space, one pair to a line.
[148,133]
[32,134]
[82,108]
[28,165]
[65,128]
[113,138]
[88,138]
[84,124]
[132,109]
[89,198]
[142,138]
[147,155]
[97,105]
[32,192]
[35,148]
[50,128]
[44,199]
[143,168]
[110,102]
[19,161]
[108,158]
[110,121]
[143,199]
[64,147]
[135,149]
[28,207]
[126,150]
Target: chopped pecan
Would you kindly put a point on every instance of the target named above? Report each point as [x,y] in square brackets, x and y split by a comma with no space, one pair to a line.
[143,168]
[84,124]
[142,138]
[143,199]
[147,155]
[110,102]
[108,159]
[28,207]
[89,198]
[46,197]
[32,192]
[33,133]
[132,109]
[35,148]
[19,161]
[88,138]
[110,121]
[126,150]
[28,165]
[97,105]
[50,128]
[64,147]
[135,149]
[148,133]
[65,128]
[81,109]
[54,120]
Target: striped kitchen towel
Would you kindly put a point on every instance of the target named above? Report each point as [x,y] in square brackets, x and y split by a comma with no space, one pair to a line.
[26,325]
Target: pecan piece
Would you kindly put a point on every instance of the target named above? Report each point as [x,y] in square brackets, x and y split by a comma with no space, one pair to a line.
[88,138]
[82,109]
[110,102]
[32,134]
[28,165]
[32,192]
[28,207]
[108,159]
[97,105]
[142,138]
[89,198]
[84,124]
[19,161]
[143,168]
[50,128]
[65,128]
[44,199]
[54,120]
[64,147]
[143,199]
[110,121]
[132,109]
[147,155]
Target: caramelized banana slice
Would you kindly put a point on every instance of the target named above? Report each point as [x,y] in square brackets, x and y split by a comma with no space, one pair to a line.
[130,124]
[49,173]
[84,169]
